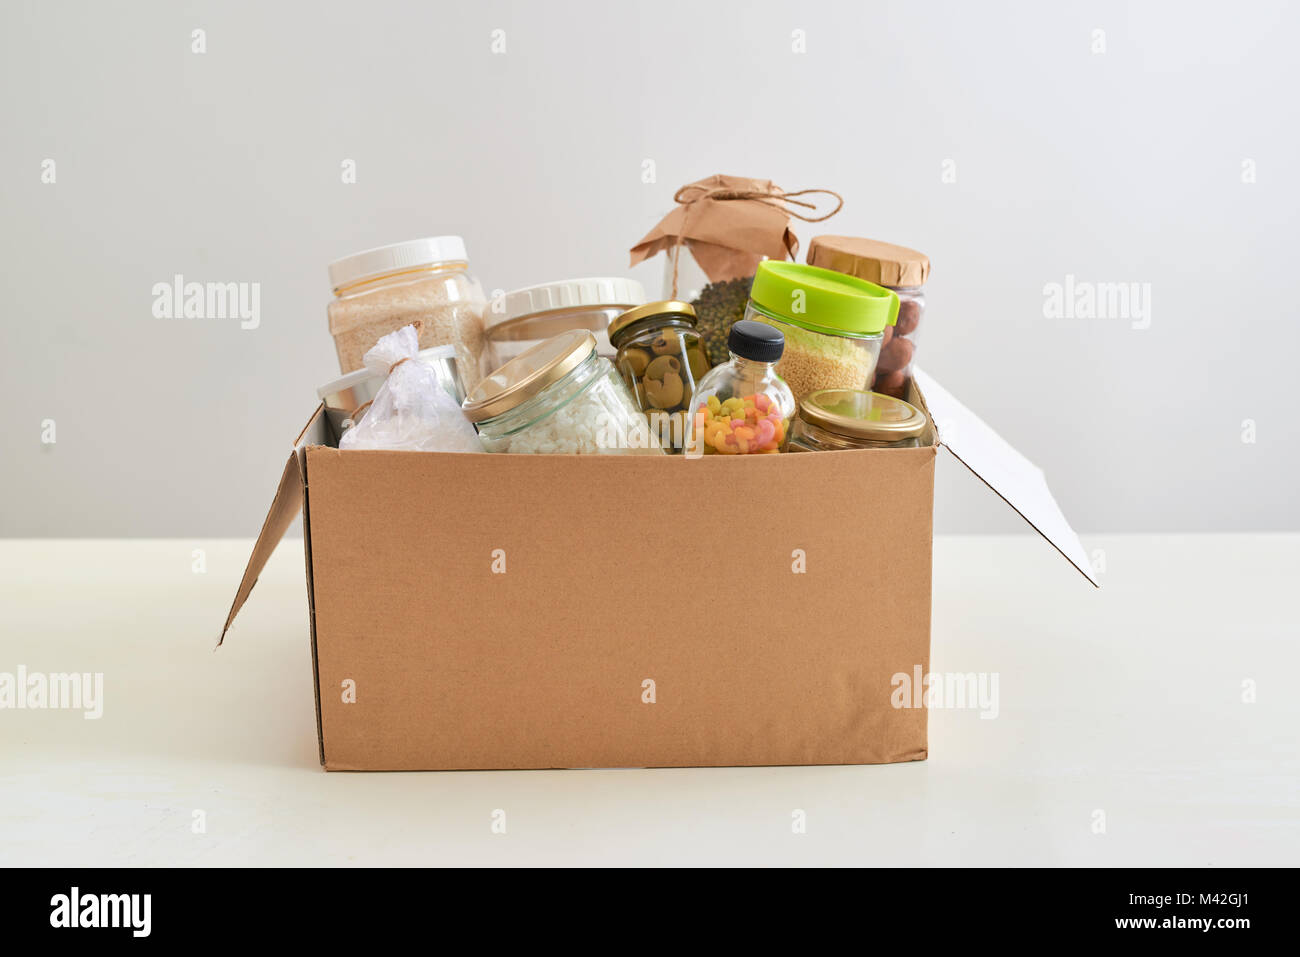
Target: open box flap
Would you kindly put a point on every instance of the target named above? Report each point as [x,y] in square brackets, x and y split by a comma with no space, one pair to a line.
[1019,482]
[284,509]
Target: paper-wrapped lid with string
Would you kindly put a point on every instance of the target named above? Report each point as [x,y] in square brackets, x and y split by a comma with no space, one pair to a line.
[729,224]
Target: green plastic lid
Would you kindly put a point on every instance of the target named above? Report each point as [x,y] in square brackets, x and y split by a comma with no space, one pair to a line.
[823,300]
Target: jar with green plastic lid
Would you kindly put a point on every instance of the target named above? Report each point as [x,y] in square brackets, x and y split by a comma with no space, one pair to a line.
[895,267]
[833,324]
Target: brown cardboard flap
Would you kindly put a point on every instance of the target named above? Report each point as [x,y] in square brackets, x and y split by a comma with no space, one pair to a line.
[1019,482]
[284,508]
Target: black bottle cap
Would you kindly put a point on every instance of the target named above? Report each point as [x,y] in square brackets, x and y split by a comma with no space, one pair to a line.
[751,339]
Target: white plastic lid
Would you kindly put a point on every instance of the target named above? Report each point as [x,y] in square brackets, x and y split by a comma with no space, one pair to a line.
[385,259]
[355,378]
[565,294]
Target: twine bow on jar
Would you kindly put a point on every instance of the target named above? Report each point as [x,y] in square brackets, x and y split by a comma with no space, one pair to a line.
[776,198]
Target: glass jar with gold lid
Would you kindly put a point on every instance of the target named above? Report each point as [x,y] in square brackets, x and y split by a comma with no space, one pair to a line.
[838,419]
[559,397]
[661,358]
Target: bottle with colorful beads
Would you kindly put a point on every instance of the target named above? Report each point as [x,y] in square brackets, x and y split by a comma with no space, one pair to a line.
[743,407]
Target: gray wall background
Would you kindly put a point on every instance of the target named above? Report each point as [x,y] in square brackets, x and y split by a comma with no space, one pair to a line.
[1122,166]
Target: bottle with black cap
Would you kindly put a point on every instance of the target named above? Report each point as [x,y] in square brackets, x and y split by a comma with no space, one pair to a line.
[742,406]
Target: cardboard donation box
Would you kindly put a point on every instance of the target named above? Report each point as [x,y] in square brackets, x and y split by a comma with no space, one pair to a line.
[564,611]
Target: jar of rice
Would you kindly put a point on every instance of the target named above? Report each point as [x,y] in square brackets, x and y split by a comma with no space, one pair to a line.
[381,290]
[833,324]
[559,397]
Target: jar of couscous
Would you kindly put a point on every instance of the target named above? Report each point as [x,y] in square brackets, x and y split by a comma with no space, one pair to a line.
[833,324]
[833,420]
[899,268]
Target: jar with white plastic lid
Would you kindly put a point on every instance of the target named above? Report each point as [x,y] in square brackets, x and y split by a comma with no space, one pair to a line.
[518,320]
[898,268]
[559,397]
[381,290]
[832,420]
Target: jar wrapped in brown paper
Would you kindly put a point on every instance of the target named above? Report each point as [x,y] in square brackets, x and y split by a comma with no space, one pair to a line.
[713,240]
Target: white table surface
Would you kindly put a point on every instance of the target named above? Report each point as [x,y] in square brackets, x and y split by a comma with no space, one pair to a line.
[1127,700]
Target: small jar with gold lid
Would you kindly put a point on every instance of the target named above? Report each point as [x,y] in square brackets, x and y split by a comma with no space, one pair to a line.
[561,397]
[832,420]
[661,357]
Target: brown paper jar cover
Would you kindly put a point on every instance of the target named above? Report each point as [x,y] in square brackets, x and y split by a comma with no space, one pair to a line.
[885,264]
[727,237]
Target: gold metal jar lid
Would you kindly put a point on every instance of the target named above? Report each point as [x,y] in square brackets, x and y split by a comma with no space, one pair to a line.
[862,415]
[668,308]
[528,374]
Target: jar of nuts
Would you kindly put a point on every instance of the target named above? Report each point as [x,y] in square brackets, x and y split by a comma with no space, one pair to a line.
[903,270]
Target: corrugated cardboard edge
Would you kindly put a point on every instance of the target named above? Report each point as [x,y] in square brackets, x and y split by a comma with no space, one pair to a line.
[311,597]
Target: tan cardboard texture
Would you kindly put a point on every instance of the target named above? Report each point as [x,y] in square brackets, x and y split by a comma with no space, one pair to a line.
[507,611]
[515,611]
[284,509]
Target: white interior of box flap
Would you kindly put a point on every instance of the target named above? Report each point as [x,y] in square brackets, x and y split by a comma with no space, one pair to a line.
[1019,482]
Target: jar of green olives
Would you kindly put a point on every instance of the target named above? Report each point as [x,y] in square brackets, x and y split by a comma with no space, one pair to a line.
[662,358]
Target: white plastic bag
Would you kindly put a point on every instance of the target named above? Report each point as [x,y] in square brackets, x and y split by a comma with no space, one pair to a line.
[411,410]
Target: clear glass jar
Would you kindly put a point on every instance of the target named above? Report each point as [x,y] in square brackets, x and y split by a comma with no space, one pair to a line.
[661,358]
[559,397]
[425,280]
[742,407]
[518,320]
[902,270]
[834,420]
[684,278]
[718,307]
[833,324]
[894,367]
